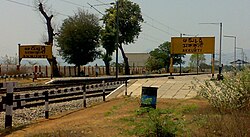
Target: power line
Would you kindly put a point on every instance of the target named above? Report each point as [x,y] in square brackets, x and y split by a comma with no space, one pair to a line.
[72,3]
[153,25]
[154,41]
[161,23]
[96,9]
[158,29]
[100,1]
[23,4]
[61,13]
[27,5]
[78,5]
[152,37]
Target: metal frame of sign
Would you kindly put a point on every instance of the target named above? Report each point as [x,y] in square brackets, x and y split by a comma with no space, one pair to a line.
[35,51]
[192,45]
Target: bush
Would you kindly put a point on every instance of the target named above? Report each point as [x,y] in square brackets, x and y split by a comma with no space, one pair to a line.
[150,122]
[232,93]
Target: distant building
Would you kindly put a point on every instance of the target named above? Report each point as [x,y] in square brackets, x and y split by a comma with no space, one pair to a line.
[137,59]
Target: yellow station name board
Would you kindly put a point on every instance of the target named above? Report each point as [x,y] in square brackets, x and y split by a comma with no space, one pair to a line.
[192,45]
[35,51]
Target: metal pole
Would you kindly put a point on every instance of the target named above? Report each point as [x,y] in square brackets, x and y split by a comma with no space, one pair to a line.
[103,90]
[242,57]
[213,56]
[84,96]
[220,67]
[197,63]
[117,38]
[180,57]
[46,98]
[234,62]
[126,87]
[235,52]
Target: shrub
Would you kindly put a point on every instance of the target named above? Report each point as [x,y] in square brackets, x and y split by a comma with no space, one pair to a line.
[232,93]
[150,122]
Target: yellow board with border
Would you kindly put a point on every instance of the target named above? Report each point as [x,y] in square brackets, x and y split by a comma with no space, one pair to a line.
[192,45]
[35,51]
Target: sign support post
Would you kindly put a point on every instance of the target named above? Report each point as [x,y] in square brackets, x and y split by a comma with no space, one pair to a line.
[192,45]
[36,51]
[213,65]
[171,70]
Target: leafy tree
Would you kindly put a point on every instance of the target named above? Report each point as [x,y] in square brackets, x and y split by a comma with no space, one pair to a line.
[108,43]
[154,64]
[197,60]
[162,55]
[107,58]
[130,20]
[78,38]
[51,35]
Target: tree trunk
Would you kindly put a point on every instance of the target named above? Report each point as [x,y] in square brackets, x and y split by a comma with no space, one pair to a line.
[55,70]
[107,65]
[168,68]
[106,59]
[127,71]
[78,70]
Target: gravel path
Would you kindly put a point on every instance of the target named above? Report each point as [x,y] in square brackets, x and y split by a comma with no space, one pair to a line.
[26,116]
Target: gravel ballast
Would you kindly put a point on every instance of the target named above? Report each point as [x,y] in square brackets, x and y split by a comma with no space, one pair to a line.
[21,117]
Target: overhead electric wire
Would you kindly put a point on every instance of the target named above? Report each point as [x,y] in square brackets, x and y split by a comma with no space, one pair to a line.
[72,3]
[27,5]
[96,9]
[161,23]
[23,4]
[151,40]
[158,28]
[78,5]
[100,1]
[152,37]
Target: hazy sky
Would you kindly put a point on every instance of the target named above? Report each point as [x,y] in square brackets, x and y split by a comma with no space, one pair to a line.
[163,19]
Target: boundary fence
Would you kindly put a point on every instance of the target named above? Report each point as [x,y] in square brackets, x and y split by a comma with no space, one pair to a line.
[19,98]
[65,71]
[34,74]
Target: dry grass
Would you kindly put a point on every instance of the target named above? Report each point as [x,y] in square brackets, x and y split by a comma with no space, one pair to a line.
[210,122]
[200,119]
[204,121]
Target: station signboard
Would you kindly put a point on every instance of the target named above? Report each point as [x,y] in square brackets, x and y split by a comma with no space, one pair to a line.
[192,45]
[35,51]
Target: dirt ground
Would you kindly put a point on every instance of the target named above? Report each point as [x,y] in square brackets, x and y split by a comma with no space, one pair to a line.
[99,120]
[103,119]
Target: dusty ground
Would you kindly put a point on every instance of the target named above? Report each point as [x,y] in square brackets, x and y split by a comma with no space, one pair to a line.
[104,119]
[99,120]
[26,81]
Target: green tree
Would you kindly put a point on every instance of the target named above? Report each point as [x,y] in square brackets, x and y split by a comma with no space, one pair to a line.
[162,55]
[154,64]
[197,60]
[130,19]
[108,43]
[78,38]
